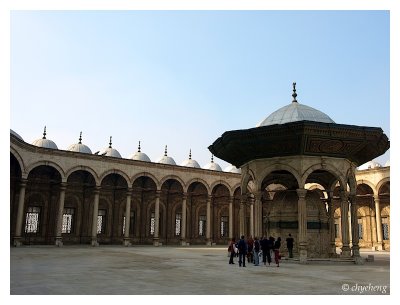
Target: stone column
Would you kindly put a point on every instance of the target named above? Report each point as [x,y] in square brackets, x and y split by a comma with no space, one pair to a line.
[156,239]
[20,214]
[345,224]
[252,222]
[183,231]
[230,217]
[60,214]
[378,223]
[354,232]
[331,213]
[302,220]
[241,215]
[127,241]
[95,216]
[208,229]
[350,227]
[257,215]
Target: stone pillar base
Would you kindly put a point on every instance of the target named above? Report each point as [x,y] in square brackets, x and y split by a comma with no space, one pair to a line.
[127,243]
[359,260]
[346,252]
[17,241]
[156,242]
[94,243]
[209,243]
[184,243]
[355,251]
[59,242]
[379,247]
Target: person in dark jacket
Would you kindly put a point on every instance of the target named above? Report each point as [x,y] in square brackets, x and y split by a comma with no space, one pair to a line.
[256,251]
[277,245]
[289,244]
[242,246]
[266,250]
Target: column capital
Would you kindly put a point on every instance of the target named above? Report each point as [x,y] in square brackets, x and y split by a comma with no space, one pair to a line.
[377,199]
[184,196]
[158,193]
[63,186]
[97,189]
[23,182]
[301,193]
[129,191]
[209,197]
[231,198]
[344,195]
[258,195]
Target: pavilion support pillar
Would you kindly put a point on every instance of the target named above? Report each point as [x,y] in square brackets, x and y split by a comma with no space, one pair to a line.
[208,222]
[302,220]
[127,241]
[331,214]
[94,241]
[241,215]
[378,223]
[345,224]
[20,213]
[156,238]
[354,232]
[60,214]
[258,215]
[183,230]
[252,221]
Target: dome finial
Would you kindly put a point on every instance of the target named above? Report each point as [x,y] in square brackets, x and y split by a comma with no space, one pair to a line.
[44,133]
[294,93]
[190,154]
[80,138]
[139,147]
[165,152]
[110,142]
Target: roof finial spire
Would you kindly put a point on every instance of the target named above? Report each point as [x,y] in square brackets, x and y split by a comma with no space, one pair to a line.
[190,154]
[212,158]
[110,142]
[165,152]
[294,93]
[139,147]
[80,138]
[44,133]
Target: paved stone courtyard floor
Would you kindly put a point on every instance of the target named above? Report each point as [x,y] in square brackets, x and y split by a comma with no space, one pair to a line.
[148,270]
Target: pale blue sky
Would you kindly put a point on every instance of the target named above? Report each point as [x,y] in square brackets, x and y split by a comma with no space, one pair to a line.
[182,78]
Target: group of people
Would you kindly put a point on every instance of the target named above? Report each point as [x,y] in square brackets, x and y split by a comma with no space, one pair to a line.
[253,249]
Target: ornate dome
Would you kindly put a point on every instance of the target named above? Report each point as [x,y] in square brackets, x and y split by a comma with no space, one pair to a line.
[165,159]
[295,112]
[233,169]
[140,156]
[189,162]
[110,152]
[79,147]
[369,165]
[43,142]
[15,134]
[213,166]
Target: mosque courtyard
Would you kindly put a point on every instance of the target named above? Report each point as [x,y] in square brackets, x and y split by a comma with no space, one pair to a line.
[168,270]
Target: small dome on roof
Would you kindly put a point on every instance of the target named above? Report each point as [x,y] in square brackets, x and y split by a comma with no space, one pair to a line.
[295,112]
[43,142]
[189,162]
[212,165]
[140,156]
[233,169]
[165,159]
[79,147]
[387,163]
[110,152]
[369,165]
[15,134]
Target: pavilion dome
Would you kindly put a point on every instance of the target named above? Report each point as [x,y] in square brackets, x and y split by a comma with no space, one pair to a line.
[79,147]
[165,159]
[15,134]
[369,165]
[233,169]
[190,162]
[295,112]
[140,156]
[43,142]
[212,165]
[110,152]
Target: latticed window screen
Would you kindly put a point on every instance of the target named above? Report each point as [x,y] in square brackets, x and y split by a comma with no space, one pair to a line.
[360,228]
[178,221]
[385,228]
[224,226]
[68,220]
[202,225]
[101,221]
[131,225]
[32,220]
[337,228]
[152,224]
